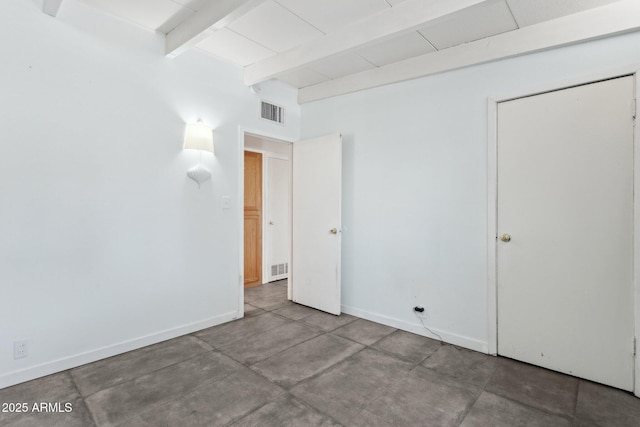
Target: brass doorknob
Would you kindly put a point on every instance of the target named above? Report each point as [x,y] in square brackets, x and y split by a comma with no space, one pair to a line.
[505,237]
[334,231]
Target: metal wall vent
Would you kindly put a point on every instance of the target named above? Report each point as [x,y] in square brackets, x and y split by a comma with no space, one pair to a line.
[272,112]
[279,269]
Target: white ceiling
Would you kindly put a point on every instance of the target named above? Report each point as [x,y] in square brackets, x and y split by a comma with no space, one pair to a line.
[300,31]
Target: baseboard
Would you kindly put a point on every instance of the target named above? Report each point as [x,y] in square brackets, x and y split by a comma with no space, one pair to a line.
[74,361]
[417,328]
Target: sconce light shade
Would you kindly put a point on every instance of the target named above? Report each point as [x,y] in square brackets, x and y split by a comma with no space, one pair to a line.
[198,137]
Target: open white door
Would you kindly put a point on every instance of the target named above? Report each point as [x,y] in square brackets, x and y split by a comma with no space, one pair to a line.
[316,222]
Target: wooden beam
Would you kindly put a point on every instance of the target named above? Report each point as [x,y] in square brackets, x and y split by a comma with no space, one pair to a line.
[616,18]
[51,7]
[214,15]
[405,17]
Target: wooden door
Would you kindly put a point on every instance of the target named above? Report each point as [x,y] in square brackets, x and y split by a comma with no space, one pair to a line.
[252,219]
[316,220]
[565,231]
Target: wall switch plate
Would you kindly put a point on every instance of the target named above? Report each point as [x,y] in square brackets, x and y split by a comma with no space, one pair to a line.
[226,202]
[20,349]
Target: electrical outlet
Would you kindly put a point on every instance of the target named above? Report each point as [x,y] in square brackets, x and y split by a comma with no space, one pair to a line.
[20,349]
[420,310]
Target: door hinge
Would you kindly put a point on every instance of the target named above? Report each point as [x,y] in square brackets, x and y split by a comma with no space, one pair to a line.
[634,109]
[635,346]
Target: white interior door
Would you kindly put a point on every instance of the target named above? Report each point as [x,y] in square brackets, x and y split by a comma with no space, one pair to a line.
[565,197]
[316,222]
[278,241]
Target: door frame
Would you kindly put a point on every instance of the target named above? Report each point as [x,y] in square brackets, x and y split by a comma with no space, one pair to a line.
[242,132]
[492,200]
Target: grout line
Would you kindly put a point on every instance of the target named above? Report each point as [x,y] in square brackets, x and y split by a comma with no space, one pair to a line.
[174,399]
[575,403]
[81,397]
[249,365]
[323,371]
[252,410]
[468,410]
[314,408]
[304,403]
[202,343]
[144,375]
[527,405]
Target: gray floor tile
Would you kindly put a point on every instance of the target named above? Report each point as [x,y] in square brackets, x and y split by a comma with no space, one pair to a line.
[267,289]
[273,341]
[328,322]
[251,297]
[123,401]
[421,397]
[270,302]
[334,379]
[494,411]
[240,330]
[295,311]
[344,390]
[118,369]
[286,411]
[77,416]
[599,405]
[250,310]
[534,386]
[52,388]
[412,347]
[214,404]
[364,331]
[307,359]
[477,368]
[257,293]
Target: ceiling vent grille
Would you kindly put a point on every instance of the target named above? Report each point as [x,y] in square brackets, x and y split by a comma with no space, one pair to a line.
[272,112]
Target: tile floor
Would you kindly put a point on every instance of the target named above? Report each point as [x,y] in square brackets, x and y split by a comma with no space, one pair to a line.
[289,365]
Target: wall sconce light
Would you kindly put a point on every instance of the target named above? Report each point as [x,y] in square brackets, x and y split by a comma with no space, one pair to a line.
[198,137]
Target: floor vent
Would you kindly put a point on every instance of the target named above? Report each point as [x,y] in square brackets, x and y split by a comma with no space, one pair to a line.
[279,269]
[272,112]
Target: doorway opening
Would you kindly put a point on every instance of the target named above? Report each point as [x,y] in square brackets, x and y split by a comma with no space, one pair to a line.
[267,217]
[313,225]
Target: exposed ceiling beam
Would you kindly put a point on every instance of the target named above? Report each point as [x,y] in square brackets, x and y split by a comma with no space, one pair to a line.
[214,15]
[616,18]
[402,18]
[51,7]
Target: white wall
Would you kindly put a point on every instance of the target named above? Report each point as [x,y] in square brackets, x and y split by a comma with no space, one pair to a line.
[105,244]
[415,185]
